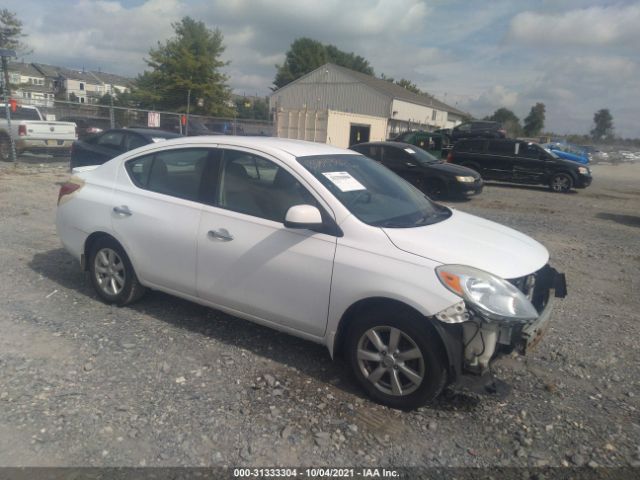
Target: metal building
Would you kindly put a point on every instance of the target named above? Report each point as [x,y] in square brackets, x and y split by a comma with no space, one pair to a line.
[340,106]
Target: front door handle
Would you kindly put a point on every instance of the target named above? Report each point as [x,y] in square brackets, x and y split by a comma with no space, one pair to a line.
[122,210]
[221,234]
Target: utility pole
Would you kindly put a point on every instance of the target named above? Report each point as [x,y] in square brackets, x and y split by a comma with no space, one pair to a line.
[112,118]
[5,54]
[186,127]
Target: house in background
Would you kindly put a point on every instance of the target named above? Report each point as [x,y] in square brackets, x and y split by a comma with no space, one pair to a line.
[111,83]
[30,84]
[82,86]
[340,106]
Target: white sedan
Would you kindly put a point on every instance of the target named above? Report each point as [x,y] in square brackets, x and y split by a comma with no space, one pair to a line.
[316,241]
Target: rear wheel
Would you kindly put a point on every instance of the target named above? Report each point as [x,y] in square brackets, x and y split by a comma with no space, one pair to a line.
[112,274]
[5,147]
[561,183]
[396,358]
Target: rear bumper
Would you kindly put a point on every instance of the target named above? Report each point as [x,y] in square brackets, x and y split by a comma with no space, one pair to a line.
[43,144]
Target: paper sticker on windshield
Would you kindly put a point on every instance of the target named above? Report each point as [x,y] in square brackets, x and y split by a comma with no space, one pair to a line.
[408,150]
[344,181]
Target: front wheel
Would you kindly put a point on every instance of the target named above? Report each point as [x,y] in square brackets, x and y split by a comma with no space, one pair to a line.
[112,274]
[561,183]
[396,358]
[435,189]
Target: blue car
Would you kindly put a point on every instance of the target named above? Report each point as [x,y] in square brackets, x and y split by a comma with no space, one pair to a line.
[566,152]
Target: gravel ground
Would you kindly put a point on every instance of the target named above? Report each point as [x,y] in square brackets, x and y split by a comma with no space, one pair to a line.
[167,382]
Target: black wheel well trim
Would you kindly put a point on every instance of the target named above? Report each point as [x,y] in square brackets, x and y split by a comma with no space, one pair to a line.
[88,243]
[449,336]
[573,175]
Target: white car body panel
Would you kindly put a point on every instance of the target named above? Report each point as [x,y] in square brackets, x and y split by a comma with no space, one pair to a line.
[469,240]
[297,281]
[281,275]
[159,235]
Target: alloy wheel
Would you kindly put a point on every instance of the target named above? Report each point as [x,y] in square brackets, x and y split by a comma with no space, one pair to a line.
[560,183]
[109,271]
[390,360]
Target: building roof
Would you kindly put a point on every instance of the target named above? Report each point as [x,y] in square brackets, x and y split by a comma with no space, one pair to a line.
[25,69]
[396,91]
[69,73]
[390,89]
[112,79]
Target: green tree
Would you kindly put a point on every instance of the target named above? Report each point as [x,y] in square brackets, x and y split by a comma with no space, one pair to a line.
[187,65]
[305,55]
[348,60]
[252,108]
[603,125]
[509,121]
[409,85]
[534,123]
[10,39]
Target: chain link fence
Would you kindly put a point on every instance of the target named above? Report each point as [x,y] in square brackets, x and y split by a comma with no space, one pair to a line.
[123,117]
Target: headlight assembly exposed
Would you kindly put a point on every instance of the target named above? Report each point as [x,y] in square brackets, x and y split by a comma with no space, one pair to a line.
[492,296]
[465,179]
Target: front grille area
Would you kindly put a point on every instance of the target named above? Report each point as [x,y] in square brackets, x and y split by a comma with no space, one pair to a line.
[536,286]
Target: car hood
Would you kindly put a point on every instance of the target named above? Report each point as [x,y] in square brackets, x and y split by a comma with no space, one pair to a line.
[465,239]
[452,169]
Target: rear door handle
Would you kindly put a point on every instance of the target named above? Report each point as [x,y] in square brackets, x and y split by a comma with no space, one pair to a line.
[221,234]
[122,210]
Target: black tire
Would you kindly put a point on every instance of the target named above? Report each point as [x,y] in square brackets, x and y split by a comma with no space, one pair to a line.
[561,182]
[5,147]
[435,188]
[414,333]
[112,274]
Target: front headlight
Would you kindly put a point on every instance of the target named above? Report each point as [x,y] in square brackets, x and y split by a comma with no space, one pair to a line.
[492,296]
[465,179]
[584,170]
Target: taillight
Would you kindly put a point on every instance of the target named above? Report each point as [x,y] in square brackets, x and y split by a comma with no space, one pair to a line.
[68,188]
[94,130]
[450,157]
[22,130]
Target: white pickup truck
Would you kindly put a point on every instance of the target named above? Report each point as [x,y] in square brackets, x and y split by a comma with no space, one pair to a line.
[31,132]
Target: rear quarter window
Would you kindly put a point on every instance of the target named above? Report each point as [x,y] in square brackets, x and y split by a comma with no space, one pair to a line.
[470,146]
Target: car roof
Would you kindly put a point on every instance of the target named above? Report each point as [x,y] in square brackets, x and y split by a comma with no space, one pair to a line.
[388,144]
[296,148]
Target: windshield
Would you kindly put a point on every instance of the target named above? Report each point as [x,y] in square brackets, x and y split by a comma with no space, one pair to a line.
[373,193]
[421,156]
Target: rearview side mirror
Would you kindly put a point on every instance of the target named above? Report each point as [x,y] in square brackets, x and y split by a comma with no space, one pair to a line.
[303,216]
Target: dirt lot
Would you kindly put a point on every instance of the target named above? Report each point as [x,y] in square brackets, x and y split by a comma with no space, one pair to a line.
[167,382]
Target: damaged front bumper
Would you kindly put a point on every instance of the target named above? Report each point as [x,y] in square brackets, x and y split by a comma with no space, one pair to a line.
[473,344]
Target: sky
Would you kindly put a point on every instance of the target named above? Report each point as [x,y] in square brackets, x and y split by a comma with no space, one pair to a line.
[575,56]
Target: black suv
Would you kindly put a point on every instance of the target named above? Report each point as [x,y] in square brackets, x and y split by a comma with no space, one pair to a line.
[475,129]
[520,162]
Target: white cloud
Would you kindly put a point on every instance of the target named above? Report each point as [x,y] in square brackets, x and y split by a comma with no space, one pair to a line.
[593,26]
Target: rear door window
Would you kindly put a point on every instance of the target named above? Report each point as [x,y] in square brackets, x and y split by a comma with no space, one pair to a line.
[395,157]
[111,140]
[498,147]
[471,146]
[178,173]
